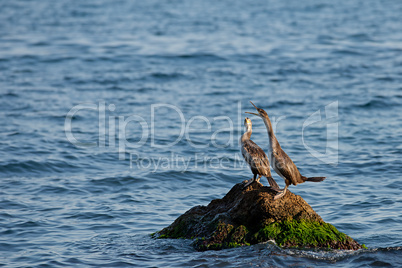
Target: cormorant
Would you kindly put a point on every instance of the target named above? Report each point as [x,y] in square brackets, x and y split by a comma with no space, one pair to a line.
[255,157]
[280,161]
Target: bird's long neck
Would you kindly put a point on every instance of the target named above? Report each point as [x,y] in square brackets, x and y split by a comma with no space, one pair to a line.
[273,142]
[246,136]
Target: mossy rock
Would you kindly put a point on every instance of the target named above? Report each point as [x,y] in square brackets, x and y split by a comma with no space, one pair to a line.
[250,216]
[304,234]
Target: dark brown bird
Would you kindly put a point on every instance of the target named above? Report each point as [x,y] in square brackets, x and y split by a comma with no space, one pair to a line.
[280,161]
[255,158]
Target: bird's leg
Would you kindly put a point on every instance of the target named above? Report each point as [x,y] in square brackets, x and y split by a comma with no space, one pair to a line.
[281,193]
[250,181]
[273,184]
[258,180]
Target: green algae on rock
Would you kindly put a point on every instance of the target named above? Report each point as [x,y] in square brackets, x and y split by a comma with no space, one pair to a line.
[250,216]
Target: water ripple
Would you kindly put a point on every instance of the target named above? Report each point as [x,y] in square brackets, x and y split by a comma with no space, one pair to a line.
[65,204]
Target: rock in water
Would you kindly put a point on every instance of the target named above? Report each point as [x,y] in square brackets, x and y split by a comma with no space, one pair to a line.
[250,216]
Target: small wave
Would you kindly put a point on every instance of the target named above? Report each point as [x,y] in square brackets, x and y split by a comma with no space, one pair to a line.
[317,7]
[376,103]
[284,103]
[115,181]
[386,249]
[329,255]
[4,247]
[75,117]
[222,73]
[165,75]
[195,56]
[31,166]
[27,224]
[218,93]
[289,103]
[360,37]
[340,255]
[33,58]
[325,39]
[9,94]
[49,189]
[385,79]
[201,56]
[57,59]
[144,90]
[40,43]
[8,204]
[348,52]
[91,216]
[13,133]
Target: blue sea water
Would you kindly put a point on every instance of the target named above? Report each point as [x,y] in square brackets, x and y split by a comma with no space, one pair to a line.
[118,116]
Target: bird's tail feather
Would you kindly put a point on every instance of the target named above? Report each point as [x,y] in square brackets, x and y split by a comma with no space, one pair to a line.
[314,179]
[273,183]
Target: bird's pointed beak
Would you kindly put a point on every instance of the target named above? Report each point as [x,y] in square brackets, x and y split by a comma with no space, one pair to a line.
[253,105]
[255,108]
[252,113]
